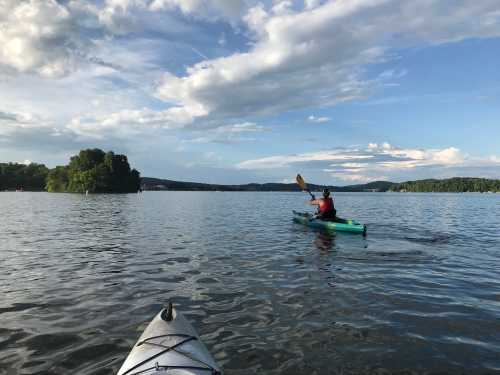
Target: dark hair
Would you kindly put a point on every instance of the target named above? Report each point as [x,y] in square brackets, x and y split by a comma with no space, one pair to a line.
[326,193]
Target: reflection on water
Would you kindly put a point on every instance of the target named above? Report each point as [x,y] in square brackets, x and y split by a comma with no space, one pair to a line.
[80,277]
[325,241]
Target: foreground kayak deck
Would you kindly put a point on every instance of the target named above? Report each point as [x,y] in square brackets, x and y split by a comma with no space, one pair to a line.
[338,225]
[169,345]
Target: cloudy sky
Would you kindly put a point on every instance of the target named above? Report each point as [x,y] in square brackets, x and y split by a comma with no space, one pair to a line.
[236,91]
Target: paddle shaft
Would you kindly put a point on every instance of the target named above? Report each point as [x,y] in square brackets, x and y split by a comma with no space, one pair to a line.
[303,186]
[312,195]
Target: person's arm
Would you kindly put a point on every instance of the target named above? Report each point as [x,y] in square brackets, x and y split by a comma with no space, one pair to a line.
[315,202]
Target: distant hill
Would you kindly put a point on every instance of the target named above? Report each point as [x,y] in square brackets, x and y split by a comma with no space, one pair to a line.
[149,183]
[456,184]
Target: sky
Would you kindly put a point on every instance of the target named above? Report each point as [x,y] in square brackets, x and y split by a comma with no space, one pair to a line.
[239,91]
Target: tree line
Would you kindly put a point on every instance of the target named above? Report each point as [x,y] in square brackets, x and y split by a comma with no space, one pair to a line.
[15,176]
[456,185]
[92,170]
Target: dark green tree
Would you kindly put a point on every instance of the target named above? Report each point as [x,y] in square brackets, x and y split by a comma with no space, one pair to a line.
[456,185]
[95,171]
[58,179]
[20,176]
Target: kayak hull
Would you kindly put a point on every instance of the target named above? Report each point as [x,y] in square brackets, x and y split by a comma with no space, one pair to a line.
[169,345]
[340,225]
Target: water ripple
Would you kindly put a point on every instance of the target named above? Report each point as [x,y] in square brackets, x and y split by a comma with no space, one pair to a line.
[80,277]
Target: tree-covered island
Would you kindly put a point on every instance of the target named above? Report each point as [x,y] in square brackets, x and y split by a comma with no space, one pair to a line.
[94,171]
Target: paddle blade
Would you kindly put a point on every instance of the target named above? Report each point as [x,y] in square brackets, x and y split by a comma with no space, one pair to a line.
[301,182]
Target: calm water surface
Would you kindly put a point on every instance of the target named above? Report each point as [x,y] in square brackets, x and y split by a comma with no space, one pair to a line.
[80,277]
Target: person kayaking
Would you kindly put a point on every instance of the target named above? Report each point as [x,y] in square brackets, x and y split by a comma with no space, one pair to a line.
[326,208]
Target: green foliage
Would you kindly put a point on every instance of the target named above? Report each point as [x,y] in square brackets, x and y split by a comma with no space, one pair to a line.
[57,179]
[457,185]
[94,171]
[15,176]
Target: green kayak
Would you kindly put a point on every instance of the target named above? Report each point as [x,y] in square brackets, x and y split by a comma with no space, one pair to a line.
[337,225]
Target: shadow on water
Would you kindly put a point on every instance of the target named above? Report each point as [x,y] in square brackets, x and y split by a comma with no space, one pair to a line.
[325,258]
[325,242]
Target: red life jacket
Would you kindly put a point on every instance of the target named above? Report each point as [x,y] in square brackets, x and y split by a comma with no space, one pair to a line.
[326,206]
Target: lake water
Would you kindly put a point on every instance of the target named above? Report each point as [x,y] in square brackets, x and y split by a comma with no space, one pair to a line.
[80,277]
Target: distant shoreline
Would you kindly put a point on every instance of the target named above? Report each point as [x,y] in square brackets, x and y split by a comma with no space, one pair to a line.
[451,185]
[101,176]
[157,184]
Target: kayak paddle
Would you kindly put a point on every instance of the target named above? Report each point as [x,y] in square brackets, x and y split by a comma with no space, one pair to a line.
[303,186]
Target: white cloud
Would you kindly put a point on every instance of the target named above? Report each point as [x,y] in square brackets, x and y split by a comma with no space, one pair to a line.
[392,74]
[128,123]
[227,134]
[282,8]
[310,4]
[245,127]
[280,161]
[38,36]
[303,54]
[378,161]
[21,131]
[315,56]
[209,9]
[313,118]
[116,15]
[412,158]
[55,38]
[10,122]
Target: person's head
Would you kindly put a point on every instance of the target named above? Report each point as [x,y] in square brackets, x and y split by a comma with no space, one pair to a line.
[326,193]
